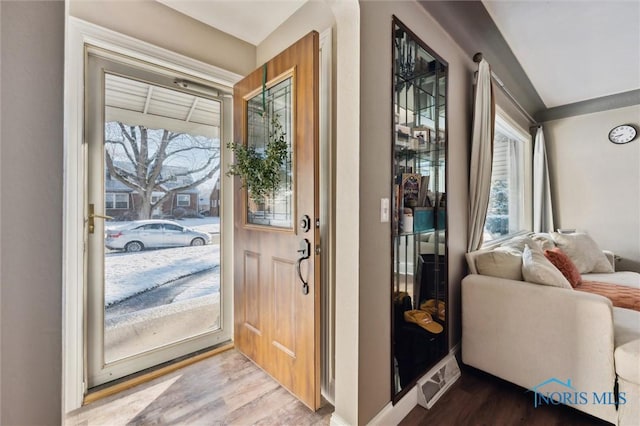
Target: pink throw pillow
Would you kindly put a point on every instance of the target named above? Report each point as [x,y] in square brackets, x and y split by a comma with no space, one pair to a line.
[561,261]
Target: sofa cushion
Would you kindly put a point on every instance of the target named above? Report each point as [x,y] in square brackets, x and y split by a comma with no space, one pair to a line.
[626,326]
[430,248]
[564,264]
[431,237]
[500,264]
[626,335]
[628,278]
[627,358]
[621,296]
[583,251]
[538,270]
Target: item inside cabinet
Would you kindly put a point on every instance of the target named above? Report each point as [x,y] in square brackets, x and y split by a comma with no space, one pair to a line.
[418,228]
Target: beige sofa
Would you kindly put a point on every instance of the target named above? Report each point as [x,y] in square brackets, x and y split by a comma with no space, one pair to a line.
[564,345]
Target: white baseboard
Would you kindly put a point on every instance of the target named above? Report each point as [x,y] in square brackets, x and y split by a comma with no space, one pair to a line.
[393,414]
[336,420]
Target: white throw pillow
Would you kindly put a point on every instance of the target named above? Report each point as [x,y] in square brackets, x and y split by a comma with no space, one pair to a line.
[583,252]
[518,243]
[537,269]
[500,264]
[544,240]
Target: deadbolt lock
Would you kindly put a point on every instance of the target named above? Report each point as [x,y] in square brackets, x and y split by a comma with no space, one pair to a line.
[305,223]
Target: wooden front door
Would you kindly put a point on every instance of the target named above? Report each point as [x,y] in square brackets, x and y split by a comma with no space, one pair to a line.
[276,242]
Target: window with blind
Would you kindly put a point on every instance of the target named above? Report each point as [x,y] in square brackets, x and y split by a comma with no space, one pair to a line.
[510,178]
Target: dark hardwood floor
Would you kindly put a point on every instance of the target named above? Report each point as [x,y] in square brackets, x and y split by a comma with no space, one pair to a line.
[478,398]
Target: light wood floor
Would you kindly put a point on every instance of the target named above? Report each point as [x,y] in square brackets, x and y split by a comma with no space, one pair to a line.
[481,399]
[226,389]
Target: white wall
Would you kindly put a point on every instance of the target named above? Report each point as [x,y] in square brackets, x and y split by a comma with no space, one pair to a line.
[32,34]
[347,242]
[595,183]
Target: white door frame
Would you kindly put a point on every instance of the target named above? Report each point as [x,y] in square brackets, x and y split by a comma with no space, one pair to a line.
[80,33]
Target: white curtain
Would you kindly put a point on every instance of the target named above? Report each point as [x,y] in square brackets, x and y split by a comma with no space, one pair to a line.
[481,155]
[542,208]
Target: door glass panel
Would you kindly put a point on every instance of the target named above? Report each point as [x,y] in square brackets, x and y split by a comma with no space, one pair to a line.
[275,210]
[162,243]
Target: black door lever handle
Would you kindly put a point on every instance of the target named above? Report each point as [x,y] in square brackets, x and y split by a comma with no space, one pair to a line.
[305,249]
[305,253]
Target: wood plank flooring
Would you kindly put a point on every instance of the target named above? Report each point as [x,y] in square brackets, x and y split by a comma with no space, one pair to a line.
[226,389]
[478,398]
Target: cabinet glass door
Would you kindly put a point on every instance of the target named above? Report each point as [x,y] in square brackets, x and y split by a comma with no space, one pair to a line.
[419,228]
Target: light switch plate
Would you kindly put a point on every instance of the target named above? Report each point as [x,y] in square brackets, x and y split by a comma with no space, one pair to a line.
[384,210]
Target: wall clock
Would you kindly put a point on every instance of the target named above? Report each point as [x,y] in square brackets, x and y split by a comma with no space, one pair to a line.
[623,133]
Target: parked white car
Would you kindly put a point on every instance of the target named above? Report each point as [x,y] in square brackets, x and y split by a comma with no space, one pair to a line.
[146,234]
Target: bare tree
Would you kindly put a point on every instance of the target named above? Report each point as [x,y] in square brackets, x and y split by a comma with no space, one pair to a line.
[158,161]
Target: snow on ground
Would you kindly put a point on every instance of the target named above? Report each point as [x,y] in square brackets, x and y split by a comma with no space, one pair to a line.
[128,274]
[201,285]
[204,224]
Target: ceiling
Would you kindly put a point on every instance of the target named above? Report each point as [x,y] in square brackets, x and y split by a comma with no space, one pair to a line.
[573,51]
[559,52]
[248,20]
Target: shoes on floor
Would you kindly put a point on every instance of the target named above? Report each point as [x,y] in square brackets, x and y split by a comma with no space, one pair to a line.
[424,320]
[430,307]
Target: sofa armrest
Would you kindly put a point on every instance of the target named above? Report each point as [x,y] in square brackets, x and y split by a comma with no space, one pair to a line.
[528,333]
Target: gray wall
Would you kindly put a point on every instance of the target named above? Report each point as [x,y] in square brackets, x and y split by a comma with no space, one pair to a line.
[31,227]
[375,183]
[595,183]
[162,26]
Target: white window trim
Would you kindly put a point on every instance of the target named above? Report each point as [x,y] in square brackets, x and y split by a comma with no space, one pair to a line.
[180,203]
[114,200]
[109,197]
[519,131]
[79,34]
[527,214]
[528,171]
